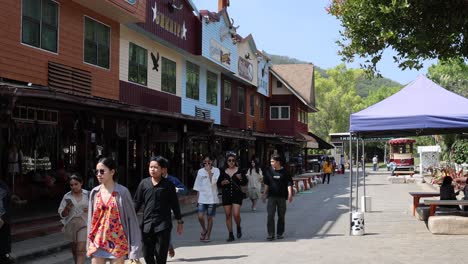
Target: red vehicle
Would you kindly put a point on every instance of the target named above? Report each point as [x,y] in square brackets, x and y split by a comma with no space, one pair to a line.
[401,154]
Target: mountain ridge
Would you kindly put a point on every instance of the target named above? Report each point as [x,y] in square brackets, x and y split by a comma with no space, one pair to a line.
[363,87]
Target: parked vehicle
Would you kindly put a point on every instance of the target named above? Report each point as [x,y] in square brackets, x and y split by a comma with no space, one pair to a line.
[401,154]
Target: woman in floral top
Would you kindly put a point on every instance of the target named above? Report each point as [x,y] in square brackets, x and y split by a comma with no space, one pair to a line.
[113,231]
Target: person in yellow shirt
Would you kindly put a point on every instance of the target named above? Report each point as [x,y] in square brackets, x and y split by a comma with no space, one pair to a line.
[327,170]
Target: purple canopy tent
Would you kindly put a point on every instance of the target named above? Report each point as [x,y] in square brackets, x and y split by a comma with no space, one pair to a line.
[420,108]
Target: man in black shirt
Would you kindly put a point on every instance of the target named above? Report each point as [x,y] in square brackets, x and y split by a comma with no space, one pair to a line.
[157,195]
[278,189]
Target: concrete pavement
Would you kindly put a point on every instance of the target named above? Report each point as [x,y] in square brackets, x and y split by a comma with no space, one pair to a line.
[317,231]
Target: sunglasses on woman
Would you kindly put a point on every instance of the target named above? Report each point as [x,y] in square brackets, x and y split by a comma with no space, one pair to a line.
[231,160]
[101,171]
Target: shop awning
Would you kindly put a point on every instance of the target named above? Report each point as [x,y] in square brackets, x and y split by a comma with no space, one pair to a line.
[289,140]
[311,142]
[7,89]
[238,134]
[322,144]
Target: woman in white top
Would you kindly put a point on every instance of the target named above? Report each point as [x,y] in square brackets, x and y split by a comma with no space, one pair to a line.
[255,176]
[74,212]
[205,185]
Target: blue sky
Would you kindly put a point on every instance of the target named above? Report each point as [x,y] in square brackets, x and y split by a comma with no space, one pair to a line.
[301,29]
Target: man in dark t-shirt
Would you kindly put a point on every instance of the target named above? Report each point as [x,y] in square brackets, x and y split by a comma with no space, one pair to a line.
[278,189]
[157,196]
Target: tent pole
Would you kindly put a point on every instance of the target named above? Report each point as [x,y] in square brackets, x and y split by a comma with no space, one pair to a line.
[385,153]
[364,174]
[357,172]
[350,182]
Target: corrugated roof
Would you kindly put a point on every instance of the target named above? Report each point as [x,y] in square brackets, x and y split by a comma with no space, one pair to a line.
[300,78]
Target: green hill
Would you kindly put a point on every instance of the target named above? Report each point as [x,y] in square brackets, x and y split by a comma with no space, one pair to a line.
[363,87]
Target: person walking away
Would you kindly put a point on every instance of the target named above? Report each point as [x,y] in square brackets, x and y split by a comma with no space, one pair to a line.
[375,162]
[5,230]
[207,196]
[157,195]
[180,190]
[327,170]
[230,182]
[113,232]
[278,188]
[73,210]
[255,179]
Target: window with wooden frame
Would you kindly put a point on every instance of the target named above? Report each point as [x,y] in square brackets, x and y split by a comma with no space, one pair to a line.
[252,105]
[137,64]
[40,24]
[241,100]
[211,88]
[168,75]
[262,107]
[97,43]
[193,81]
[227,95]
[279,112]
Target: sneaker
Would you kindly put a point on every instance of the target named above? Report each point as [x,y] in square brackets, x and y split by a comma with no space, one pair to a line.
[280,236]
[270,238]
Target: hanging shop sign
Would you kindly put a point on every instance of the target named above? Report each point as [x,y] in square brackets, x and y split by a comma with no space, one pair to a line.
[168,24]
[220,53]
[245,69]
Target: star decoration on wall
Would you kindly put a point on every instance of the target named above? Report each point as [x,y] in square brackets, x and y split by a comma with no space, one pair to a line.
[184,32]
[155,11]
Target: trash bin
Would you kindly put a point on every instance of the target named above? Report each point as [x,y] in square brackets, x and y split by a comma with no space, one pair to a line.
[357,224]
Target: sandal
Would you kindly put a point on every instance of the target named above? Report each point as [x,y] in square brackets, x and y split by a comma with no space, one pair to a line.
[203,235]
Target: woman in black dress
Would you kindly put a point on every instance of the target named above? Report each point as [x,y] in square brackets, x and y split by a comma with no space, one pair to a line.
[230,182]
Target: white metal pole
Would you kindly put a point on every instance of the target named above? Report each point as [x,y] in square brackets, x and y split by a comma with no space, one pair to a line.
[357,172]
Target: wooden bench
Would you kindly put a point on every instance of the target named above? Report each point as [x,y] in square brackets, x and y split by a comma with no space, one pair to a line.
[434,203]
[417,196]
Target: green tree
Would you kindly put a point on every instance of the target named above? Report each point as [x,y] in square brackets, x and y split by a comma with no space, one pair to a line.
[416,29]
[451,74]
[377,95]
[460,151]
[336,99]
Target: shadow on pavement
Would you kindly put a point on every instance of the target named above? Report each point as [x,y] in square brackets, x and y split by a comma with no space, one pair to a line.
[210,258]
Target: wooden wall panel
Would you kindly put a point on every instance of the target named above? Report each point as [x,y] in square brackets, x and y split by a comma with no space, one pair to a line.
[232,118]
[138,95]
[29,64]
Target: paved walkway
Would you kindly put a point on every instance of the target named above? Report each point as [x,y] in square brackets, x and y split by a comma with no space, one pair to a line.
[317,231]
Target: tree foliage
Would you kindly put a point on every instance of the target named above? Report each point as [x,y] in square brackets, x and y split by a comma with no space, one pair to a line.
[336,99]
[452,75]
[460,151]
[416,29]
